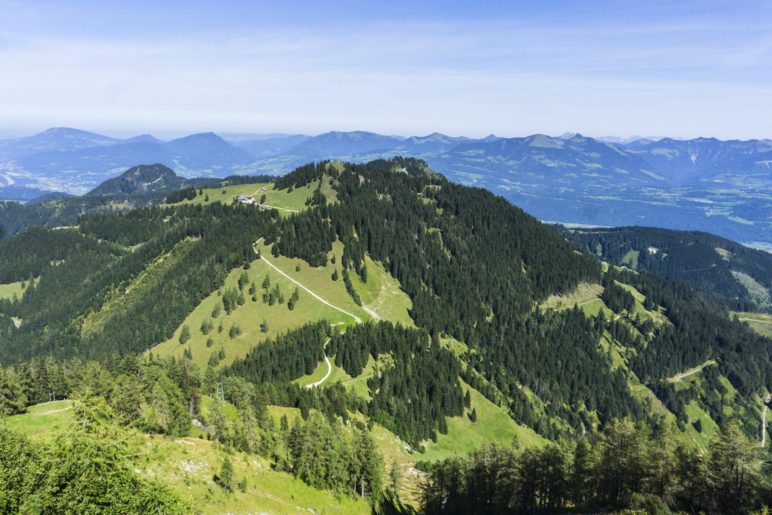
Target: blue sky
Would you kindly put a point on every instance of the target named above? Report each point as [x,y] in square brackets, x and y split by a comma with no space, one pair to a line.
[680,69]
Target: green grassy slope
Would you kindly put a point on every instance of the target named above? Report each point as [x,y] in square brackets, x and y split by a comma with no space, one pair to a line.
[759,322]
[285,201]
[493,425]
[381,291]
[42,421]
[16,290]
[381,295]
[247,317]
[188,465]
[583,294]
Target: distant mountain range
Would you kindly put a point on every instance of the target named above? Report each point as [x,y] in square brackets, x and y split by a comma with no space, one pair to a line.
[76,161]
[701,184]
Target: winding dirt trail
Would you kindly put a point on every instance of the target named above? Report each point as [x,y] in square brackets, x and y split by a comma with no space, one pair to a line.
[329,369]
[317,297]
[279,208]
[314,295]
[691,371]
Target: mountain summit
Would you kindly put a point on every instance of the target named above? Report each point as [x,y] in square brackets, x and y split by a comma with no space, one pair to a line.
[140,179]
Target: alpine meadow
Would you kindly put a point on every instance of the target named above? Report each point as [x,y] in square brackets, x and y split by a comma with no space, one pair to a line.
[280,302]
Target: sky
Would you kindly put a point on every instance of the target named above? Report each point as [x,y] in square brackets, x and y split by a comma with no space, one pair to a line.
[602,68]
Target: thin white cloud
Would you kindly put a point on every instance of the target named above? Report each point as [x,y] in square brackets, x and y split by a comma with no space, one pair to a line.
[463,78]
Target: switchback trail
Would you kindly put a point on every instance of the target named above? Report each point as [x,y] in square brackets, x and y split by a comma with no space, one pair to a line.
[317,297]
[329,368]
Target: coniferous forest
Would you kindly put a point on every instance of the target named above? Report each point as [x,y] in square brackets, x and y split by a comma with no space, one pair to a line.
[609,396]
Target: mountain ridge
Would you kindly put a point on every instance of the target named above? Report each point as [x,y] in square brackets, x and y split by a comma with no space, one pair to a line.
[140,179]
[701,184]
[366,313]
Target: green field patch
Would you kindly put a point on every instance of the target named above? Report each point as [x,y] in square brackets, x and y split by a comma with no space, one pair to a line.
[325,186]
[457,347]
[593,308]
[657,317]
[761,323]
[631,258]
[382,297]
[358,384]
[337,375]
[493,425]
[277,412]
[699,417]
[11,291]
[609,345]
[250,316]
[690,374]
[285,201]
[383,291]
[317,375]
[318,279]
[757,292]
[42,421]
[584,293]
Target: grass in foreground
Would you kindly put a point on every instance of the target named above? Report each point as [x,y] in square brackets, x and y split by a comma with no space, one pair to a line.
[43,421]
[188,465]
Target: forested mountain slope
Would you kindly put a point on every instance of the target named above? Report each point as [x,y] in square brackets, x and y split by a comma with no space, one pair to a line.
[355,319]
[144,179]
[710,263]
[140,186]
[700,184]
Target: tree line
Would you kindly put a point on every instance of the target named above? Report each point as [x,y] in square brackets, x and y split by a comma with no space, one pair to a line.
[625,467]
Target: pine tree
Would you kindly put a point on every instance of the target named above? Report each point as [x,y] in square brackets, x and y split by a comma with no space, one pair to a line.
[733,470]
[225,477]
[12,399]
[184,334]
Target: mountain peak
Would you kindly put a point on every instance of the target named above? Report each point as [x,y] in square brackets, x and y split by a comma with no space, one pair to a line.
[140,179]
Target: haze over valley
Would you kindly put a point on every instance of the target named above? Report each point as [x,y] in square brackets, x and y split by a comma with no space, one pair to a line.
[344,257]
[702,184]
